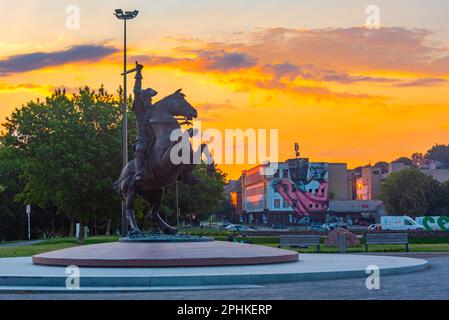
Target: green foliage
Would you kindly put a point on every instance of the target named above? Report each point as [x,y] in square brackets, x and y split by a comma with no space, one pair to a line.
[201,200]
[439,152]
[69,149]
[413,193]
[11,212]
[61,155]
[404,160]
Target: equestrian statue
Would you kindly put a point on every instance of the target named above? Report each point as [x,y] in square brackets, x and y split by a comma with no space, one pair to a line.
[152,170]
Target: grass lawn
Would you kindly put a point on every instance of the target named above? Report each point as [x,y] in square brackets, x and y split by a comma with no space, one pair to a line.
[49,245]
[416,245]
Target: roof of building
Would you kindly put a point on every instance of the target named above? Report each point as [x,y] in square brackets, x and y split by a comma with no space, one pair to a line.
[441,175]
[354,205]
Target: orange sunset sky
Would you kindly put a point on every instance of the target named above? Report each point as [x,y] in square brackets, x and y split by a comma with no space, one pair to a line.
[308,68]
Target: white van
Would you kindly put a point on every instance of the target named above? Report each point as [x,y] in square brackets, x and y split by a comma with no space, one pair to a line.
[400,223]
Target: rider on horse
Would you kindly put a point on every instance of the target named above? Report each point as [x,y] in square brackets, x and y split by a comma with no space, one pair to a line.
[145,137]
[142,108]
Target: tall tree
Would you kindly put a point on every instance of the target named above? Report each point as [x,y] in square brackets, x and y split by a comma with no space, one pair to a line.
[411,192]
[439,152]
[71,151]
[12,217]
[417,159]
[201,200]
[404,160]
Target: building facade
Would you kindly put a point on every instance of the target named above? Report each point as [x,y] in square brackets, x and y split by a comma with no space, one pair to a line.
[297,189]
[369,183]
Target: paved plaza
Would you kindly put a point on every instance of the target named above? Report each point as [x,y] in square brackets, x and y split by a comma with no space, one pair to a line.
[428,284]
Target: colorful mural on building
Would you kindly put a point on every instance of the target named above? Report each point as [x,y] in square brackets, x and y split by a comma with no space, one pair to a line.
[305,188]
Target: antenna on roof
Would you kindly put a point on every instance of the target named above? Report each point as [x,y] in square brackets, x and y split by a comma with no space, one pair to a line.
[297,152]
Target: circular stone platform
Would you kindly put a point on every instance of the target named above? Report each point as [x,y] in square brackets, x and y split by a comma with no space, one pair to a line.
[165,238]
[166,254]
[19,274]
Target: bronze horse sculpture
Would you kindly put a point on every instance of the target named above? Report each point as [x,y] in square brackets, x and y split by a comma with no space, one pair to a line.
[163,122]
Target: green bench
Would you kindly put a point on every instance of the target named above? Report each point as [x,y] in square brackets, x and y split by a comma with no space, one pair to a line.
[387,238]
[300,241]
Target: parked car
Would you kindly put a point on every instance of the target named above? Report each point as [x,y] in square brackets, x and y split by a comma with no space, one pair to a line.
[401,223]
[374,227]
[340,225]
[305,222]
[238,227]
[332,226]
[316,227]
[224,226]
[279,226]
[297,228]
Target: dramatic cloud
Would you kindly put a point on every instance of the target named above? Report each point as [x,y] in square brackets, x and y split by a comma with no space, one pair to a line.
[344,56]
[351,50]
[205,60]
[226,61]
[425,82]
[38,60]
[311,72]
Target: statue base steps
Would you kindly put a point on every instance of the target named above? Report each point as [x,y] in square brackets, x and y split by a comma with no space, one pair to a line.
[165,254]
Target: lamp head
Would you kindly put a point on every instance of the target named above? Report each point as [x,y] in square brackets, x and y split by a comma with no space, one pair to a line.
[127,15]
[131,14]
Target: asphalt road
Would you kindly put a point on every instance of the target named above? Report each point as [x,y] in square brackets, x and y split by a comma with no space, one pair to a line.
[429,284]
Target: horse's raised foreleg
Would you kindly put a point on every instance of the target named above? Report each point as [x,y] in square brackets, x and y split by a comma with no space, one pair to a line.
[130,198]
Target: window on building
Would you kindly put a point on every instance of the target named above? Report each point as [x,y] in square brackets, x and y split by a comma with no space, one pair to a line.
[277,203]
[285,204]
[310,206]
[285,173]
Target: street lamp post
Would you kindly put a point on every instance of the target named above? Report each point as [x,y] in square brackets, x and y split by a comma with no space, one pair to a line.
[125,16]
[28,212]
